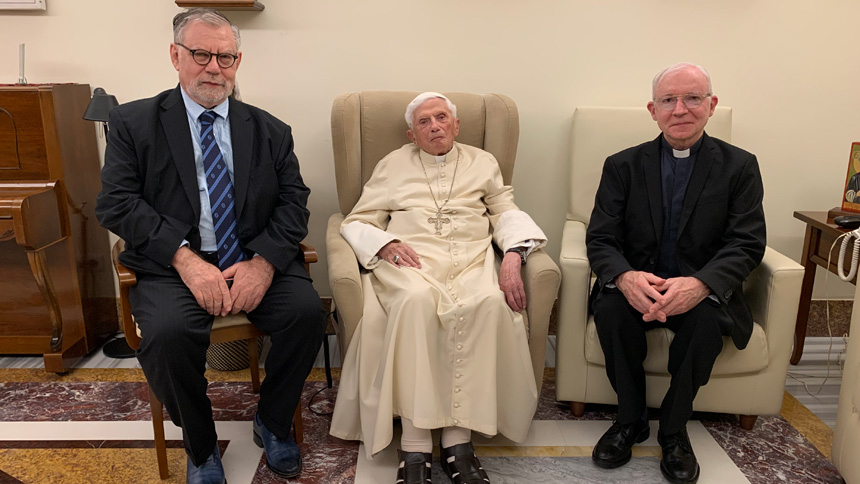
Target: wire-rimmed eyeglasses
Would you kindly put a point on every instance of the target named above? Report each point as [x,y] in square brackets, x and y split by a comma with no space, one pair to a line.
[203,57]
[691,101]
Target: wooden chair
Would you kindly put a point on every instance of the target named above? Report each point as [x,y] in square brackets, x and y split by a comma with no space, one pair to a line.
[234,327]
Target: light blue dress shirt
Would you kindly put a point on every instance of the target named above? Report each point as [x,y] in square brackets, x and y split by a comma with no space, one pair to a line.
[222,135]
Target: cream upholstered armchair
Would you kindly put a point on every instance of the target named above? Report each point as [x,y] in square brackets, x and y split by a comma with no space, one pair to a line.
[368,125]
[846,437]
[749,382]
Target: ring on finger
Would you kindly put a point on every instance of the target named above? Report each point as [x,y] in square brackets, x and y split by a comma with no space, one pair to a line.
[395,258]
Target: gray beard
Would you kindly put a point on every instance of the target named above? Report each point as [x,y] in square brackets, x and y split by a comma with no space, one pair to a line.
[211,96]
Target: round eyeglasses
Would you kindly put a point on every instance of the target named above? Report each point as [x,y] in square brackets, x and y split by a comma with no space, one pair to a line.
[203,57]
[691,101]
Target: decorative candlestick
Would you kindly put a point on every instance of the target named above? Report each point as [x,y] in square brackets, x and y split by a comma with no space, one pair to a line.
[21,78]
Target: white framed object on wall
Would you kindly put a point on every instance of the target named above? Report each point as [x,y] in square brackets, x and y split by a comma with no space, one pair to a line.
[23,5]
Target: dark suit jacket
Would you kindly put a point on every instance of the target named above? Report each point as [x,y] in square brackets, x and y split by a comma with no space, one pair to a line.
[721,235]
[149,193]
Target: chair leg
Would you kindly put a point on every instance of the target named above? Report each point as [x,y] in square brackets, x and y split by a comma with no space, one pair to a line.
[748,421]
[298,426]
[254,360]
[577,409]
[160,441]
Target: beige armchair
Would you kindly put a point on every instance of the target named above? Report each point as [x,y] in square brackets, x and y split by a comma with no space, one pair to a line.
[749,382]
[368,125]
[846,437]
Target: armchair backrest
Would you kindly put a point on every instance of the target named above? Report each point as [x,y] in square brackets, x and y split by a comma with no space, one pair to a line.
[598,132]
[367,125]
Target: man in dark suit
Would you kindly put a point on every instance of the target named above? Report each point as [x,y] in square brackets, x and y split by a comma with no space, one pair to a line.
[677,225]
[206,192]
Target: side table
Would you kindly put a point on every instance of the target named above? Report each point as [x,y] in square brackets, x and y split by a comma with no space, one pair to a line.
[820,234]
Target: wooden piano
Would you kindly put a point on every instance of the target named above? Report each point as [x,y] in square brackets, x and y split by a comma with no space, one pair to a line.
[57,295]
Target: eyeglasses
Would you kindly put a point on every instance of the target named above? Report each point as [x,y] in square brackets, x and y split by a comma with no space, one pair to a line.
[203,57]
[691,101]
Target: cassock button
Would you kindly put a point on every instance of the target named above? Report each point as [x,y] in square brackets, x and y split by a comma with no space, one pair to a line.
[459,347]
[456,421]
[457,390]
[451,277]
[459,360]
[459,333]
[456,405]
[458,375]
[462,319]
[456,264]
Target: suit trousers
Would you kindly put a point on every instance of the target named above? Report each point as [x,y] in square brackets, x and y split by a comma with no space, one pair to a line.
[697,343]
[175,336]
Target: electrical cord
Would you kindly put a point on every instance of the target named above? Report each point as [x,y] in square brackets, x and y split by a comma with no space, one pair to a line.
[852,272]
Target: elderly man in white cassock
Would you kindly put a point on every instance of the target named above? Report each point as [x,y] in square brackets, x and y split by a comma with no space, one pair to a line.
[441,343]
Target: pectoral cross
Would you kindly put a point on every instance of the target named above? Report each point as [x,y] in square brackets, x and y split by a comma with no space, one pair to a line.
[439,220]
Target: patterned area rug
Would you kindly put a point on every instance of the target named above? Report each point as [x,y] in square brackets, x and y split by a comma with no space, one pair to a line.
[93,426]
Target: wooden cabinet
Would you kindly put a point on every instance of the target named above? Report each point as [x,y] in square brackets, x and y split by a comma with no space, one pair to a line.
[56,290]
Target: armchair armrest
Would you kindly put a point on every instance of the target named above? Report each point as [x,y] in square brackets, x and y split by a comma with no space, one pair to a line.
[541,279]
[310,255]
[127,278]
[576,272]
[344,277]
[571,365]
[773,290]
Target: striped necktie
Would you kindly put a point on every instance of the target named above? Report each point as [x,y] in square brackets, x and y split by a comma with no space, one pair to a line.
[221,196]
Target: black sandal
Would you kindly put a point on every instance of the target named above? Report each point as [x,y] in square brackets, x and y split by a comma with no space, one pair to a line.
[414,467]
[462,465]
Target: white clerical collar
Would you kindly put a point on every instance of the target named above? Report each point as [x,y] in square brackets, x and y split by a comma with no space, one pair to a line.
[440,158]
[681,153]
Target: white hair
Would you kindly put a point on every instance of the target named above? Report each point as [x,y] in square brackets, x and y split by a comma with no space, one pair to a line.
[421,99]
[678,67]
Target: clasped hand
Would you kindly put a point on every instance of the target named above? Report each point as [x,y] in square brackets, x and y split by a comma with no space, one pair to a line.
[657,298]
[251,279]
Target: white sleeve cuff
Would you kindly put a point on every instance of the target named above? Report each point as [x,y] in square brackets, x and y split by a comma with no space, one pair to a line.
[366,240]
[516,229]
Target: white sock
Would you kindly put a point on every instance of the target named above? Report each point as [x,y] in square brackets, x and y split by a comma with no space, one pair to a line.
[455,435]
[414,439]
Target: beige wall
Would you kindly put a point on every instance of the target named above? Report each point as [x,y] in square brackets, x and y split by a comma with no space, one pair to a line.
[789,69]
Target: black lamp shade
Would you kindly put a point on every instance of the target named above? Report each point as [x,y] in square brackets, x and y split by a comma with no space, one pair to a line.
[100,105]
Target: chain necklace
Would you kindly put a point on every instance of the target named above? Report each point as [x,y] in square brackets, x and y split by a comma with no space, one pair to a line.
[438,220]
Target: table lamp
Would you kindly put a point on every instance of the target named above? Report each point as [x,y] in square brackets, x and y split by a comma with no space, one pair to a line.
[99,107]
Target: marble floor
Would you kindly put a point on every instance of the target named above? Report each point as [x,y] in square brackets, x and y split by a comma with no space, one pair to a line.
[93,426]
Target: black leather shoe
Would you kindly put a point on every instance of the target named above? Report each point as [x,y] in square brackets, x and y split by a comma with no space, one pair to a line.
[209,472]
[613,448]
[462,465]
[679,463]
[282,455]
[414,467]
